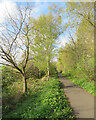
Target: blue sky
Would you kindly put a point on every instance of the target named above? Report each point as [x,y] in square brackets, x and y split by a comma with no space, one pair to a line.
[38,9]
[43,6]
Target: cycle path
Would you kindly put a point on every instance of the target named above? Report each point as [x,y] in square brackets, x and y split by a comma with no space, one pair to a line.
[80,101]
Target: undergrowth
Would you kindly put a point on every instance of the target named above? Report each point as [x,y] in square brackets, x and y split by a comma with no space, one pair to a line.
[45,100]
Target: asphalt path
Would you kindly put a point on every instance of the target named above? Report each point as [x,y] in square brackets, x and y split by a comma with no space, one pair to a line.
[80,101]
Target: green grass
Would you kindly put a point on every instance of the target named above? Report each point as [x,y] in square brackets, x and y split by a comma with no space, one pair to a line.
[87,85]
[45,100]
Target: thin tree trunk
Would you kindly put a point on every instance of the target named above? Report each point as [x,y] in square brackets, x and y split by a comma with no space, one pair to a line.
[24,84]
[48,70]
[39,74]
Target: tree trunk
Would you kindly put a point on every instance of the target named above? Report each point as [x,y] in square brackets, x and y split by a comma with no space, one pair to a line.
[48,70]
[24,84]
[39,74]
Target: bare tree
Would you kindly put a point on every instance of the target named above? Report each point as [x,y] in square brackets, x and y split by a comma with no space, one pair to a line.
[15,41]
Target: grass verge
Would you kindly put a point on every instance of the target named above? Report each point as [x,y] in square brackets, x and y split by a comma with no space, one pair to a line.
[87,85]
[45,100]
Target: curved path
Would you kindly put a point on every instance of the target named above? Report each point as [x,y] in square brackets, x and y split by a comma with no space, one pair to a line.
[80,101]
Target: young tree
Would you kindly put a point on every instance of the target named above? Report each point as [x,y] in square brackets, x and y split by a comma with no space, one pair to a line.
[15,41]
[45,30]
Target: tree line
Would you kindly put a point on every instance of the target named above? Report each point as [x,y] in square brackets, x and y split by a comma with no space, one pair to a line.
[76,58]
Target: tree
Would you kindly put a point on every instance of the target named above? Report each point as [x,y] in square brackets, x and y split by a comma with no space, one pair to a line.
[45,30]
[80,10]
[77,57]
[15,41]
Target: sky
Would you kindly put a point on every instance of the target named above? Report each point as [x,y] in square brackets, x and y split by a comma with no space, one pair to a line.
[38,9]
[52,0]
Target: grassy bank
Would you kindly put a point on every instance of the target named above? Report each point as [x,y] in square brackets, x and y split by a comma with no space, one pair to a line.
[87,85]
[44,100]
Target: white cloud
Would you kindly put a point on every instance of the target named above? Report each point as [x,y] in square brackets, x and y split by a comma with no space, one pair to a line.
[35,11]
[9,7]
[5,8]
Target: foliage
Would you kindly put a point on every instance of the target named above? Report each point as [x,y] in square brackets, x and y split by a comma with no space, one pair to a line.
[76,11]
[9,76]
[32,71]
[45,100]
[45,31]
[53,69]
[10,95]
[87,85]
[76,58]
[38,37]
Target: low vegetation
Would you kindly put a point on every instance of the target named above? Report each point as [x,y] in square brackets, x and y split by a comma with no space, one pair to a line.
[87,85]
[44,100]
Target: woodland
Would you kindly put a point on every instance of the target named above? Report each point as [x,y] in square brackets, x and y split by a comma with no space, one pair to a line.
[30,59]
